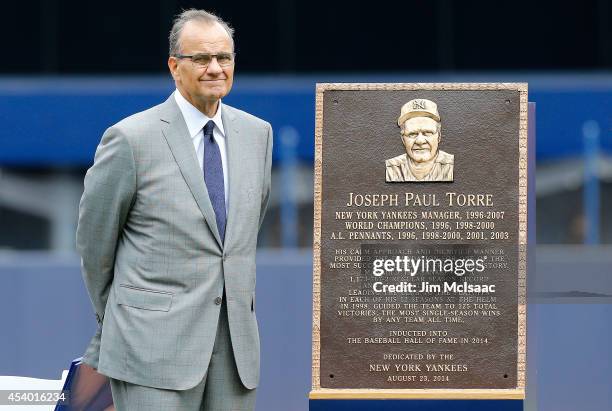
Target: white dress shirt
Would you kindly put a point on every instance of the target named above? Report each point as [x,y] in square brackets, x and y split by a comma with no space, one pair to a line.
[196,120]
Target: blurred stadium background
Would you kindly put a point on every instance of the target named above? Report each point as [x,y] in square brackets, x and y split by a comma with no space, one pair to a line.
[70,69]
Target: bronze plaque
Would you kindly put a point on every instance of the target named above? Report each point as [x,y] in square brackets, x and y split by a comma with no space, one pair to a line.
[420,239]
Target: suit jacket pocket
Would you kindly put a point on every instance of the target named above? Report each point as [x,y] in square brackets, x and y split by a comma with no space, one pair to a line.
[144,298]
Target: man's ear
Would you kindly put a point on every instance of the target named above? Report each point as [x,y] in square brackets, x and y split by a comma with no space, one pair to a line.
[173,67]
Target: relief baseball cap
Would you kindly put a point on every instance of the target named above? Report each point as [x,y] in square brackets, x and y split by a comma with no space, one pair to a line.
[418,107]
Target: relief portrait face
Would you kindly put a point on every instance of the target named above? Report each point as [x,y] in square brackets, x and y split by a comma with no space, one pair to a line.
[421,137]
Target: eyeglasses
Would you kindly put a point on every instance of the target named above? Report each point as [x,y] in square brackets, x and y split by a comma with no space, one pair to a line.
[203,59]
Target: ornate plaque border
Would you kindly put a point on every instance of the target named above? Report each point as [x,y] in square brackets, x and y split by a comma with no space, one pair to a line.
[325,393]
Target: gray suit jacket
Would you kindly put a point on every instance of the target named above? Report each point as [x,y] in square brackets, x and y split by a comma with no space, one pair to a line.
[152,259]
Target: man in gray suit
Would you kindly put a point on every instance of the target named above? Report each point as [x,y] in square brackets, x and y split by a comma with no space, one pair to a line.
[167,232]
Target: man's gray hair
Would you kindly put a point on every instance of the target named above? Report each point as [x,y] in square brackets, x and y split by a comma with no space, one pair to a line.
[189,15]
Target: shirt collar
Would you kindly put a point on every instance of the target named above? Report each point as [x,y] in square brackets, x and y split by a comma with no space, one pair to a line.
[195,119]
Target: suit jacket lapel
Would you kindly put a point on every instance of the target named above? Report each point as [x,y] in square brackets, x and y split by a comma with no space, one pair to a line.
[175,131]
[234,155]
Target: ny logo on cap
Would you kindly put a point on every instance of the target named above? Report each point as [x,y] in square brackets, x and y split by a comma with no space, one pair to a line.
[419,105]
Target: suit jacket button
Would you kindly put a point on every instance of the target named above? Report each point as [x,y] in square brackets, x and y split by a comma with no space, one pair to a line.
[218,300]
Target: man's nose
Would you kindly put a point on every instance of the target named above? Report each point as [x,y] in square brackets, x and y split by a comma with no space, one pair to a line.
[214,67]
